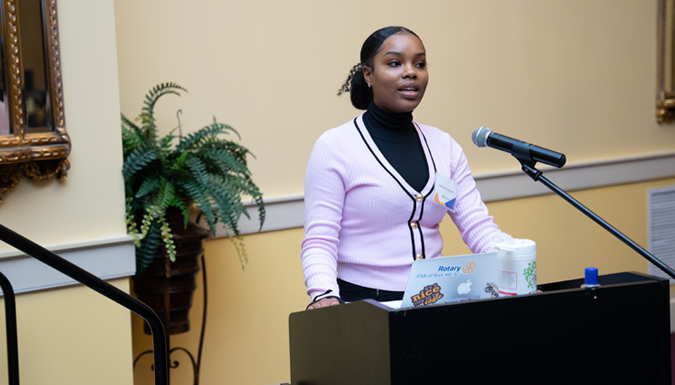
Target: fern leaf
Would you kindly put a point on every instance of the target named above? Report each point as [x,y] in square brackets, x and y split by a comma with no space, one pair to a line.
[238,151]
[166,194]
[224,161]
[158,91]
[132,126]
[198,169]
[179,164]
[197,139]
[131,140]
[184,209]
[165,143]
[148,186]
[200,197]
[261,210]
[236,186]
[150,247]
[242,185]
[147,115]
[136,161]
[228,207]
[224,127]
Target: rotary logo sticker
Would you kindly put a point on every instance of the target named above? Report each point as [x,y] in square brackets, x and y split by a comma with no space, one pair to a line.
[469,267]
[427,296]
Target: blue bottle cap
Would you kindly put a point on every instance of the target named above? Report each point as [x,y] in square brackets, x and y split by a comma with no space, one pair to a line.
[591,274]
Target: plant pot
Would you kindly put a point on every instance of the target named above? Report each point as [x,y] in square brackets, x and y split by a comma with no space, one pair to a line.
[166,285]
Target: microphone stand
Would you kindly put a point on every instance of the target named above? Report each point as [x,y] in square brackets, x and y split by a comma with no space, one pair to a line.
[537,176]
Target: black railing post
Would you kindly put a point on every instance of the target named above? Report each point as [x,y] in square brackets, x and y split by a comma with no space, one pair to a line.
[107,290]
[10,326]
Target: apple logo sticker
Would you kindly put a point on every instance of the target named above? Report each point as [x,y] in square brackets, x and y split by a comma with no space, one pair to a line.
[464,288]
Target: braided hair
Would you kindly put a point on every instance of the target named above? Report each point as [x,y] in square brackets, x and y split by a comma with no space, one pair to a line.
[356,85]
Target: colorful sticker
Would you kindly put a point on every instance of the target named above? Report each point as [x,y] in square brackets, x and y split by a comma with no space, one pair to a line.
[427,296]
[446,192]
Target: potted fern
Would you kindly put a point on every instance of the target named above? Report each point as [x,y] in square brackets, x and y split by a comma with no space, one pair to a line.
[165,178]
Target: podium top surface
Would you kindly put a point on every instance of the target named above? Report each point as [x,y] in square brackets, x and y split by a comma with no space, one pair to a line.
[606,282]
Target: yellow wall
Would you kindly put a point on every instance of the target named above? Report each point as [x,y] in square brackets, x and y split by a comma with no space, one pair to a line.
[577,76]
[90,204]
[246,340]
[72,335]
[550,72]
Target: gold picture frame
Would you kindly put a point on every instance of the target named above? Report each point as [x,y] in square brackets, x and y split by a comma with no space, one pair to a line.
[665,66]
[37,151]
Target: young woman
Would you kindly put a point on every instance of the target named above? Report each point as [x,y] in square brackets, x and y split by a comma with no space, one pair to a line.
[371,184]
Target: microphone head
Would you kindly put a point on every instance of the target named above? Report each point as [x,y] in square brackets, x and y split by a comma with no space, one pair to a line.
[480,135]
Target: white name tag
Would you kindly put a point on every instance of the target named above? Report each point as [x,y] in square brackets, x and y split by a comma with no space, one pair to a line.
[445,192]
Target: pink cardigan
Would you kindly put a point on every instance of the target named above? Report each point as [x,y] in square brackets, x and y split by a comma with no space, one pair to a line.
[364,224]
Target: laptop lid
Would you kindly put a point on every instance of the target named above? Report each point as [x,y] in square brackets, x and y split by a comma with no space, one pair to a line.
[451,279]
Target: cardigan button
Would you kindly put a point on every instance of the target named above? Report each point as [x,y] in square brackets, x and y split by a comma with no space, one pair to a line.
[419,197]
[413,225]
[419,256]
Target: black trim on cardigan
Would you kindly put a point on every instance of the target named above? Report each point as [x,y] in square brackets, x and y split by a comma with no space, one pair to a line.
[412,235]
[433,162]
[412,215]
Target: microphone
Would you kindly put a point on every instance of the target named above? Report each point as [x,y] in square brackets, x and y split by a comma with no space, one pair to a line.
[526,152]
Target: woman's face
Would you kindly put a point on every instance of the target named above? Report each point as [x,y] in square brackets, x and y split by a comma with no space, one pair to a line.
[399,74]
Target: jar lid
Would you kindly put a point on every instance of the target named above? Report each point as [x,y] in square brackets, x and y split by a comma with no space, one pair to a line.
[516,246]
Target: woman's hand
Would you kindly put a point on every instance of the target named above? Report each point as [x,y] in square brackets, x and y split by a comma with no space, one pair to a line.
[323,303]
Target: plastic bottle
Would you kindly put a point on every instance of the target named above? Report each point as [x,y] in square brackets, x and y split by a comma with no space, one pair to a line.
[517,264]
[591,278]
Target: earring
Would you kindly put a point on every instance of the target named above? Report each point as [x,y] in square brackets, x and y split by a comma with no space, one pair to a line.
[368,85]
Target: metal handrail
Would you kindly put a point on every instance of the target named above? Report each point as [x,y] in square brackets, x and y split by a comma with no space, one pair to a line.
[107,290]
[10,327]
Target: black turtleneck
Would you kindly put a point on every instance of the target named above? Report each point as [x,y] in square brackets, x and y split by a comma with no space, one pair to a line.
[396,137]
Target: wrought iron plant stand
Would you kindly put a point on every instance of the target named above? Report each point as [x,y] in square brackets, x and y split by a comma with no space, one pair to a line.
[168,288]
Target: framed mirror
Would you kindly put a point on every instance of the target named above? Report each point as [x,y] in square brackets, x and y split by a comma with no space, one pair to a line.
[665,66]
[33,138]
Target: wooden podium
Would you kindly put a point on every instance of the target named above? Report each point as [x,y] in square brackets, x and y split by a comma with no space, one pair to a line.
[616,334]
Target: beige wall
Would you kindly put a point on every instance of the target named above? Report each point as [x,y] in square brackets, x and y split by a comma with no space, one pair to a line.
[246,339]
[73,335]
[577,76]
[90,204]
